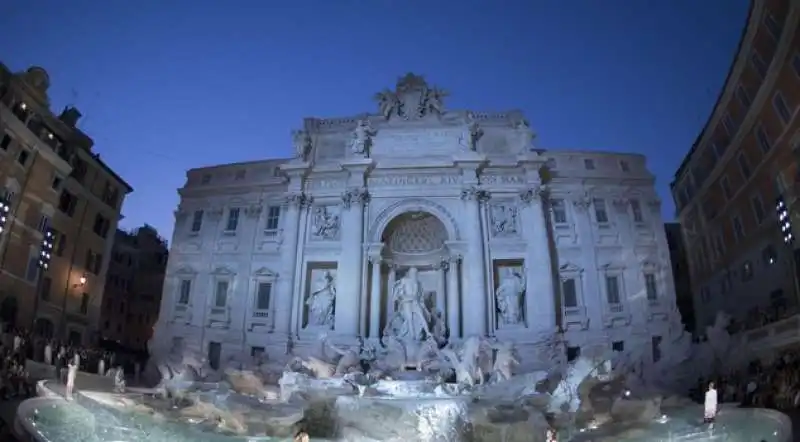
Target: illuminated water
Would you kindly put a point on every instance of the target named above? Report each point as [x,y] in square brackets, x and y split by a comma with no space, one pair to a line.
[52,419]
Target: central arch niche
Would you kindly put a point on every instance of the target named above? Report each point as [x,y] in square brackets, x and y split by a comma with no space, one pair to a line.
[415,238]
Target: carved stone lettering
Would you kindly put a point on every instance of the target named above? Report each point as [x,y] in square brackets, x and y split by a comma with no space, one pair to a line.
[412,180]
[326,184]
[502,179]
[431,142]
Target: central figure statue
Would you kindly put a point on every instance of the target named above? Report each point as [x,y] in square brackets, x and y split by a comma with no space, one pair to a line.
[410,311]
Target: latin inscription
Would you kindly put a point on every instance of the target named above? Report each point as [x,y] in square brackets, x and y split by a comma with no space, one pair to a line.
[423,141]
[406,180]
[326,184]
[502,179]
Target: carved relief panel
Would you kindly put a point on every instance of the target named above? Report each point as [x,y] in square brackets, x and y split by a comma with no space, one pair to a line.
[504,219]
[325,223]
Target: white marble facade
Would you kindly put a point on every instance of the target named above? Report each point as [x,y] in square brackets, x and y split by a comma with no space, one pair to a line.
[509,241]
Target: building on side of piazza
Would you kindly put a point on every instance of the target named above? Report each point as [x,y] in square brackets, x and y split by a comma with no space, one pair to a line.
[460,196]
[52,179]
[726,188]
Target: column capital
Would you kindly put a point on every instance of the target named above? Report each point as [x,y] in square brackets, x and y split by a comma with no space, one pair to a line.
[354,195]
[475,193]
[298,199]
[534,192]
[455,258]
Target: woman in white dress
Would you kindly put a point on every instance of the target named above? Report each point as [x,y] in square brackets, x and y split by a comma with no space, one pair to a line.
[710,405]
[71,372]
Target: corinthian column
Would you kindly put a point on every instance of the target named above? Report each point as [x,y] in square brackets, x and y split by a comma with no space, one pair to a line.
[474,266]
[349,270]
[375,298]
[453,303]
[282,312]
[539,291]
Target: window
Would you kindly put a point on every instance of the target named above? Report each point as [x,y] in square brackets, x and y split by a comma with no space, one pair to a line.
[44,223]
[101,226]
[197,221]
[84,303]
[651,286]
[233,220]
[747,271]
[744,165]
[240,174]
[569,291]
[56,183]
[764,142]
[23,156]
[221,294]
[110,195]
[559,210]
[262,295]
[573,353]
[612,290]
[781,108]
[185,291]
[273,219]
[758,208]
[214,354]
[32,271]
[656,348]
[759,64]
[636,209]
[600,214]
[796,63]
[773,26]
[257,352]
[743,96]
[67,203]
[45,287]
[206,179]
[618,346]
[5,142]
[738,228]
[726,187]
[588,164]
[624,166]
[769,255]
[94,261]
[729,124]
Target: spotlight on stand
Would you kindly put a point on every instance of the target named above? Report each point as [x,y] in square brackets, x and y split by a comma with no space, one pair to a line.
[5,207]
[784,220]
[46,249]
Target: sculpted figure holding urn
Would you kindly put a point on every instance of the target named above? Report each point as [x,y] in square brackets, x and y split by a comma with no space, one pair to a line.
[509,296]
[320,302]
[362,138]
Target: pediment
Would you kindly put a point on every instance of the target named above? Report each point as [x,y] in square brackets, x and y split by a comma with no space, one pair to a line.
[612,266]
[185,270]
[265,272]
[569,267]
[223,270]
[649,263]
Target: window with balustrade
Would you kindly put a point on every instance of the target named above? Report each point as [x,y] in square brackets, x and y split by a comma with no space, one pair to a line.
[184,291]
[221,294]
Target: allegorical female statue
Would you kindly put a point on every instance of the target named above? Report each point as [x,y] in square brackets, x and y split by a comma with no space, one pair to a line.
[509,296]
[414,317]
[320,302]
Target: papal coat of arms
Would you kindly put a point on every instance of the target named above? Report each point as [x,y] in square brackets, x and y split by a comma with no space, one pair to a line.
[412,99]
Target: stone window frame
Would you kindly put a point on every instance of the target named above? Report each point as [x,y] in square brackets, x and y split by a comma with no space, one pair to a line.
[262,276]
[229,217]
[617,271]
[267,217]
[565,210]
[198,218]
[605,211]
[650,267]
[571,271]
[184,274]
[219,275]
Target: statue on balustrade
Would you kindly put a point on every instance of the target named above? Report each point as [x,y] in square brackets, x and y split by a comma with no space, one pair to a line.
[411,318]
[320,302]
[509,296]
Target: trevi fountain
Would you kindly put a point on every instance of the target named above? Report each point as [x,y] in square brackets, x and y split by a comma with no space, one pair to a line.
[416,274]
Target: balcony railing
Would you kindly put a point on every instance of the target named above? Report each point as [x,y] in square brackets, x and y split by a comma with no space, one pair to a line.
[576,317]
[219,317]
[779,333]
[260,321]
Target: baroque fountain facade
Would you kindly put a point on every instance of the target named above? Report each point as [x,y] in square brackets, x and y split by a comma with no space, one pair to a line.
[414,274]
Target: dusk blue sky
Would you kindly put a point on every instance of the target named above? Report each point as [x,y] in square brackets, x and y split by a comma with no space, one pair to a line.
[166,86]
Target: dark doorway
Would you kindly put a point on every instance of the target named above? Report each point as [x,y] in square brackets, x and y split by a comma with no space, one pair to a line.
[74,338]
[8,311]
[44,328]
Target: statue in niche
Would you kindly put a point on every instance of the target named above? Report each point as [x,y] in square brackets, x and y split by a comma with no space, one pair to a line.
[411,318]
[320,302]
[509,294]
[504,219]
[362,138]
[326,223]
[470,135]
[302,144]
[524,136]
